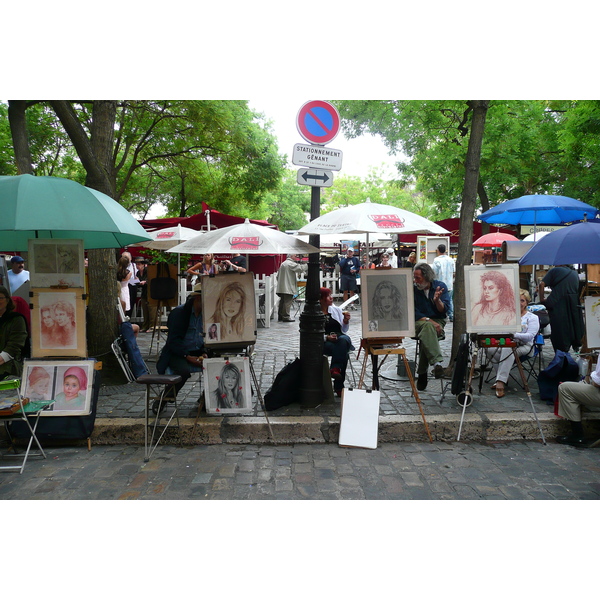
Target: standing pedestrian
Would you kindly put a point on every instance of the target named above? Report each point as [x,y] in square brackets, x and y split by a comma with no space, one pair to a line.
[349,268]
[287,285]
[17,277]
[445,269]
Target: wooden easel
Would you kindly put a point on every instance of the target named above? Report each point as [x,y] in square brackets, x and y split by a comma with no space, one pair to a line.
[486,341]
[386,347]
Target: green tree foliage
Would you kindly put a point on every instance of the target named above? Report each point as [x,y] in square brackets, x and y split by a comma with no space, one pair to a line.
[288,205]
[530,147]
[175,153]
[579,141]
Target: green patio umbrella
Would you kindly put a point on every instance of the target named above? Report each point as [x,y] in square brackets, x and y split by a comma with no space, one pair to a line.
[53,207]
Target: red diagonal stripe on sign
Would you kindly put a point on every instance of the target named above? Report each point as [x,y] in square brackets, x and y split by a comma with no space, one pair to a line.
[312,114]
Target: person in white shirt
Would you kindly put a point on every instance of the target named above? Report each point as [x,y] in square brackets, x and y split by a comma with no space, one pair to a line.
[444,269]
[17,275]
[504,357]
[393,258]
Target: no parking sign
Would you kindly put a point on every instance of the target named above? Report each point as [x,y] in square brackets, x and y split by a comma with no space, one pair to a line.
[318,122]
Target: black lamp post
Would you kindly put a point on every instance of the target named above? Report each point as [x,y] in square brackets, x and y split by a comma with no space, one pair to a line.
[312,321]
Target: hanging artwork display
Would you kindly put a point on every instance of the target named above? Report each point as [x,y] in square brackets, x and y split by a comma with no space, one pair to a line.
[67,382]
[387,303]
[427,246]
[58,322]
[227,385]
[56,262]
[229,310]
[492,298]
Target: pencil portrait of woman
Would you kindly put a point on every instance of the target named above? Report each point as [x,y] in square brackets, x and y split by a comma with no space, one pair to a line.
[229,392]
[230,311]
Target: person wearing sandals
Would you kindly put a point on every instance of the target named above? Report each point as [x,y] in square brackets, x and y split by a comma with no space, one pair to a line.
[504,357]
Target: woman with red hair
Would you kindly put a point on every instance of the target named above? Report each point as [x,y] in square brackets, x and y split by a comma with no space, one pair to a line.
[337,343]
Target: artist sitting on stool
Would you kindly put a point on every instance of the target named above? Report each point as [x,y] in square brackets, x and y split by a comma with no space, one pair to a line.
[432,301]
[184,349]
[337,343]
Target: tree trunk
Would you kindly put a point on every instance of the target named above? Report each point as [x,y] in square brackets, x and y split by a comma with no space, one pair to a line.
[102,269]
[467,214]
[485,205]
[20,138]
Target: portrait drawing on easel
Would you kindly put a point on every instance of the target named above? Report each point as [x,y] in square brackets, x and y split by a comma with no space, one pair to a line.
[387,303]
[228,303]
[492,299]
[227,384]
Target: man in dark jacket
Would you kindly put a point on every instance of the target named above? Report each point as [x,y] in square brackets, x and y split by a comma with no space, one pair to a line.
[566,320]
[432,302]
[184,350]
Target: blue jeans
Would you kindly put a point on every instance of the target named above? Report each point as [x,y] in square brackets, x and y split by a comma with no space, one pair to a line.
[339,357]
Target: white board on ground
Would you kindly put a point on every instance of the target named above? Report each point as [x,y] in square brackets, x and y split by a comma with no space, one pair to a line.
[360,418]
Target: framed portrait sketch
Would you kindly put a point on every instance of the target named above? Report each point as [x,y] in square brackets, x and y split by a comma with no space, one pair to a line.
[387,300]
[67,382]
[492,298]
[58,323]
[227,385]
[592,321]
[56,262]
[229,310]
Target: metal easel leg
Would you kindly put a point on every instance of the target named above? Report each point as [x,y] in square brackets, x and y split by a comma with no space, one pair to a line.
[527,391]
[416,394]
[260,399]
[467,392]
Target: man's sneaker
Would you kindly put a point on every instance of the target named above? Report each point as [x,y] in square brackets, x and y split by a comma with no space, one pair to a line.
[421,381]
[438,371]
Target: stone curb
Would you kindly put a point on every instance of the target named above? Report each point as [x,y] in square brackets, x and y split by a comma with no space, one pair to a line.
[318,430]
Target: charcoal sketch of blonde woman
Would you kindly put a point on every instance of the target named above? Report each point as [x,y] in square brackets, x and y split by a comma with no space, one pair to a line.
[230,311]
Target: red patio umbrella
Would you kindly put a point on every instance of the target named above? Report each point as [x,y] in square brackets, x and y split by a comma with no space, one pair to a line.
[494,240]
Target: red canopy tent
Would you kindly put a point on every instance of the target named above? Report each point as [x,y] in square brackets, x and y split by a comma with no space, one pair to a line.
[260,265]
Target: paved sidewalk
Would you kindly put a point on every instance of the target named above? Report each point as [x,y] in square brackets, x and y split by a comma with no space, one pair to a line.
[399,471]
[279,344]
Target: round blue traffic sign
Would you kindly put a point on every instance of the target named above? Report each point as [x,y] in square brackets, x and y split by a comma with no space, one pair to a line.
[318,122]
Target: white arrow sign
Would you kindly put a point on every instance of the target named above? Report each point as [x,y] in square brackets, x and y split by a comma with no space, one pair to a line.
[305,155]
[315,177]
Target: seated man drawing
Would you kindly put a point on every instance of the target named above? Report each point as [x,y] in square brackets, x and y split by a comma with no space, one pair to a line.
[184,349]
[432,302]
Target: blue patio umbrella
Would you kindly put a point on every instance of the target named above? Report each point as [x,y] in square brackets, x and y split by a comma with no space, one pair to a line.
[539,209]
[575,244]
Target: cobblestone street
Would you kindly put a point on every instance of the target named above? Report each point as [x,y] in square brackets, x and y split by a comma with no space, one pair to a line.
[398,471]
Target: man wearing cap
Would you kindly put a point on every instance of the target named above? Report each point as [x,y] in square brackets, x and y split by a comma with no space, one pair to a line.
[184,349]
[349,269]
[17,276]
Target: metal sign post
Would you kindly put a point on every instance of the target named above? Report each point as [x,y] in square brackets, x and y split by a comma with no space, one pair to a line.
[318,122]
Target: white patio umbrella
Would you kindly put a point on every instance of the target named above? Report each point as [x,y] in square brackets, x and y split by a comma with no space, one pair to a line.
[371,217]
[534,237]
[245,238]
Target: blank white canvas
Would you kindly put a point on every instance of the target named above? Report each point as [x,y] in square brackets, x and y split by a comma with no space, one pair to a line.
[360,418]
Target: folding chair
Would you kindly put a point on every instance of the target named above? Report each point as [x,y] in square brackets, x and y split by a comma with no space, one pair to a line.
[24,410]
